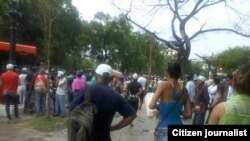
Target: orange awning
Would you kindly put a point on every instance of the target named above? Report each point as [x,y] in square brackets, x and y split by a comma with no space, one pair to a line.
[31,50]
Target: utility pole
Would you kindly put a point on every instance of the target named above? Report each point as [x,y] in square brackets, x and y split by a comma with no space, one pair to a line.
[13,28]
[151,44]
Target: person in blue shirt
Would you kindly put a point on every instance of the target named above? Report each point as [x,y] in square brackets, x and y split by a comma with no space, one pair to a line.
[107,102]
[173,102]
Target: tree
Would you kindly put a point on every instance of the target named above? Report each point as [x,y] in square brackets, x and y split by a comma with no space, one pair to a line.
[58,32]
[29,24]
[4,20]
[101,44]
[111,40]
[232,59]
[183,12]
[197,68]
[211,70]
[66,27]
[47,16]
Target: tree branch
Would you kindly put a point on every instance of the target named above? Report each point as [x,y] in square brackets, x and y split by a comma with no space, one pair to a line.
[204,58]
[123,10]
[218,29]
[169,44]
[156,6]
[183,3]
[153,12]
[208,5]
[197,33]
[173,29]
[171,8]
[194,11]
[176,8]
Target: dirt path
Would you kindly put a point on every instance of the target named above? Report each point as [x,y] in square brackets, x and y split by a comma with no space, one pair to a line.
[142,130]
[13,131]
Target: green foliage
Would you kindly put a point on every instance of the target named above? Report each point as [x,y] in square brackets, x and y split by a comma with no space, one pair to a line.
[67,29]
[88,64]
[4,20]
[75,43]
[232,59]
[111,40]
[29,30]
[196,68]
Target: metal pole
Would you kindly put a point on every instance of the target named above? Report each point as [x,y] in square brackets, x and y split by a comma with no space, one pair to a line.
[13,15]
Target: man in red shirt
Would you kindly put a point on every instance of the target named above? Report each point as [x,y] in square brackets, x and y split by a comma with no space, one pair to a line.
[10,82]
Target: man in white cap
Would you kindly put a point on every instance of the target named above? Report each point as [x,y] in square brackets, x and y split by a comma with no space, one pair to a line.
[22,86]
[10,82]
[201,101]
[61,84]
[107,102]
[134,89]
[142,80]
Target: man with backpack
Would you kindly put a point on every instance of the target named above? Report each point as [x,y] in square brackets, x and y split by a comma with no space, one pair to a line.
[107,103]
[41,89]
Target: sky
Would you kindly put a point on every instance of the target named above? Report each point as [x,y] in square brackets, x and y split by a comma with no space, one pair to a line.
[205,45]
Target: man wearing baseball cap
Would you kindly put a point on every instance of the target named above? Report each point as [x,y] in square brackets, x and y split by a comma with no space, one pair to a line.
[107,102]
[134,90]
[10,81]
[201,101]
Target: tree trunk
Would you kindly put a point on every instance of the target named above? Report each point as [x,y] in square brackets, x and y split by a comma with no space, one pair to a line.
[151,43]
[48,51]
[183,61]
[48,94]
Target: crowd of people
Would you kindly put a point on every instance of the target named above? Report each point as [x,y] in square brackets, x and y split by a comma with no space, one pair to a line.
[113,92]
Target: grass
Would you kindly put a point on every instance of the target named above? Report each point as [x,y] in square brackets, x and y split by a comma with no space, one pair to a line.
[45,124]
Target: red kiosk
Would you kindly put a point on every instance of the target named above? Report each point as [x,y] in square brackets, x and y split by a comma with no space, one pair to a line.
[24,54]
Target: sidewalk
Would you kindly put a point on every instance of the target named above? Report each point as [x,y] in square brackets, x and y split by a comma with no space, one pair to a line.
[142,130]
[3,112]
[14,131]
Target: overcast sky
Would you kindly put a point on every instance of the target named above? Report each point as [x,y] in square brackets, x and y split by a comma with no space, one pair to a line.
[204,45]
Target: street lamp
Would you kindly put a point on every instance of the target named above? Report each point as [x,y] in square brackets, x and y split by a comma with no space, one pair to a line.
[13,27]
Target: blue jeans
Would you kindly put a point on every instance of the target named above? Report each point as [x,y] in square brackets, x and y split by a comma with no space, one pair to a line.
[40,104]
[59,105]
[161,134]
[199,118]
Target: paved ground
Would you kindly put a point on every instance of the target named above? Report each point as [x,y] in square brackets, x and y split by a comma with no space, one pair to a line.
[12,131]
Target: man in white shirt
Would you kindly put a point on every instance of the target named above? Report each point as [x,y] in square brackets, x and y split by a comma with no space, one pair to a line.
[229,82]
[191,89]
[212,89]
[60,94]
[22,87]
[143,82]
